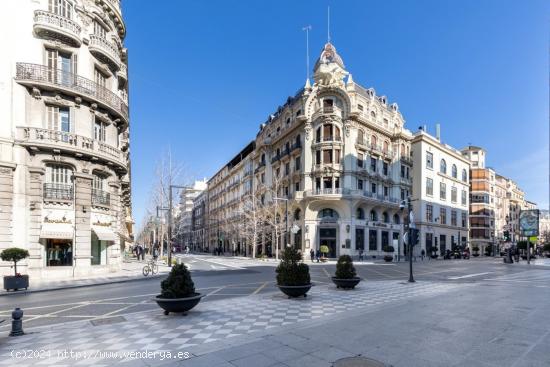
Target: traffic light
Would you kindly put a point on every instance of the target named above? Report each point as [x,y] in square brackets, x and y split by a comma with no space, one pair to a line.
[415,234]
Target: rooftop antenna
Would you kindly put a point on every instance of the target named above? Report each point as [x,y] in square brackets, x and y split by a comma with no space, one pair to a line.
[328,24]
[307,28]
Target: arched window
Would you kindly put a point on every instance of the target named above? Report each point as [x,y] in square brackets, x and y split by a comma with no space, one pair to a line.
[336,133]
[298,139]
[443,167]
[403,151]
[327,214]
[454,171]
[373,140]
[386,217]
[360,213]
[464,175]
[318,135]
[297,213]
[396,219]
[373,114]
[263,158]
[373,215]
[386,146]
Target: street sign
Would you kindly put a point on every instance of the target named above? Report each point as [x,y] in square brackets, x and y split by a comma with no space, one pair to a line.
[529,222]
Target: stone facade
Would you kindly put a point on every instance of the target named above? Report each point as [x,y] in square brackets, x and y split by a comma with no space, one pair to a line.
[64,151]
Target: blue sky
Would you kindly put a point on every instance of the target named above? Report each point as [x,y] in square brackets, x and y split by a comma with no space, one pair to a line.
[205,74]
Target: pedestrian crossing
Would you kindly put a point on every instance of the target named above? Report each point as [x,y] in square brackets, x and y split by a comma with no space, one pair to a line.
[530,277]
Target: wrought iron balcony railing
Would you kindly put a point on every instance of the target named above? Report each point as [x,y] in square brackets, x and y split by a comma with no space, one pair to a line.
[44,75]
[57,191]
[100,197]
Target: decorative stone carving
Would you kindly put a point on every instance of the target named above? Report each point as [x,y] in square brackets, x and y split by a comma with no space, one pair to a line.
[307,130]
[36,93]
[93,106]
[77,102]
[347,128]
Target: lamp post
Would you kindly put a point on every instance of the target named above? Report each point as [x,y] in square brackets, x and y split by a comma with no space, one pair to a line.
[286,224]
[410,226]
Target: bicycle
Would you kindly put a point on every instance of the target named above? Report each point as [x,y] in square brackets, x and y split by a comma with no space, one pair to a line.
[150,267]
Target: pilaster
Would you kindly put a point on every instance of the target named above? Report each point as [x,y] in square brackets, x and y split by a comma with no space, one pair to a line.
[83,211]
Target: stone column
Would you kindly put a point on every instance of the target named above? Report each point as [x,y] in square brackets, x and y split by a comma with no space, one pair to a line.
[83,234]
[6,209]
[34,218]
[118,216]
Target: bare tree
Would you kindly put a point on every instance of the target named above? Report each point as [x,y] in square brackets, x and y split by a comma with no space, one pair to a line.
[253,215]
[275,209]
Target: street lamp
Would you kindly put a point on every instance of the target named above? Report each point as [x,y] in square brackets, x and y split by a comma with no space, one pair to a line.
[410,226]
[286,224]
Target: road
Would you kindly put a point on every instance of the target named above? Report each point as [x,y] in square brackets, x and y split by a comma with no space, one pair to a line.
[220,278]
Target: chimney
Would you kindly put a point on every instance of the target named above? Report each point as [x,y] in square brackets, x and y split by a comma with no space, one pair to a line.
[438,132]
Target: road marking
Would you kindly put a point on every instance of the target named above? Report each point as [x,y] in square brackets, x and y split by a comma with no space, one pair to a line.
[259,288]
[214,291]
[467,276]
[222,264]
[122,309]
[326,272]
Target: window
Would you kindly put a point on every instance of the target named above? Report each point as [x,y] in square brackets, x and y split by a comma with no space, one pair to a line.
[318,135]
[99,78]
[373,188]
[443,167]
[336,155]
[443,215]
[318,157]
[453,218]
[58,182]
[386,123]
[402,171]
[288,121]
[278,172]
[373,141]
[360,107]
[385,168]
[327,132]
[327,156]
[386,191]
[464,222]
[99,30]
[396,219]
[442,191]
[402,194]
[429,213]
[429,186]
[464,176]
[327,213]
[429,160]
[262,179]
[454,171]
[360,158]
[386,147]
[287,169]
[359,238]
[373,239]
[297,164]
[297,186]
[99,130]
[263,159]
[98,182]
[373,216]
[62,67]
[59,119]
[61,7]
[386,217]
[373,164]
[360,214]
[359,184]
[463,199]
[360,137]
[453,194]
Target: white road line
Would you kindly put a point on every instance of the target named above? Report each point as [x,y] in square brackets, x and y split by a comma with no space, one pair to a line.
[260,288]
[222,264]
[214,291]
[467,276]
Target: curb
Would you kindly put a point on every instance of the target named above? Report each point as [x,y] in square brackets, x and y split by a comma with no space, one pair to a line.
[5,293]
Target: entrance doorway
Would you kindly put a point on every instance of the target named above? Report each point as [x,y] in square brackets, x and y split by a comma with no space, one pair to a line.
[327,237]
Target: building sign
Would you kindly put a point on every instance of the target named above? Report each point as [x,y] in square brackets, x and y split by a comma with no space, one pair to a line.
[529,222]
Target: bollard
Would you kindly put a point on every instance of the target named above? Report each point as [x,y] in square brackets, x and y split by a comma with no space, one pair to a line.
[17,322]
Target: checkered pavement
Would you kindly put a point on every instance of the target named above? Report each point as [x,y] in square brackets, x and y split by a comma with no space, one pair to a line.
[208,322]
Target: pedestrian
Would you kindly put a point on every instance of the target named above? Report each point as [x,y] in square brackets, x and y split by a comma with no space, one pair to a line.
[155,253]
[360,254]
[317,255]
[422,254]
[312,254]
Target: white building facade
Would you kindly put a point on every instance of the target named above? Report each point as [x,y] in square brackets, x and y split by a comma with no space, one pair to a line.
[440,197]
[64,136]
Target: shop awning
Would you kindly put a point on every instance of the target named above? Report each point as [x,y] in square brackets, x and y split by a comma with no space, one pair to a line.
[62,231]
[104,233]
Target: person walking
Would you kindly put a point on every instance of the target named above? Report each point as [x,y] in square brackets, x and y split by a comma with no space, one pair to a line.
[155,253]
[361,255]
[422,253]
[312,254]
[317,255]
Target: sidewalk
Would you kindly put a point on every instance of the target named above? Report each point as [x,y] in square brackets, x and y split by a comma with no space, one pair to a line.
[406,325]
[131,270]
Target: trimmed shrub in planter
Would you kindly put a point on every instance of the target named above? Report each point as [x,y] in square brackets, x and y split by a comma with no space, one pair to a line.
[17,281]
[292,274]
[388,258]
[324,251]
[346,276]
[178,291]
[475,250]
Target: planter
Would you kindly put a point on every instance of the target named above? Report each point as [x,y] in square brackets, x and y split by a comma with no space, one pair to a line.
[178,305]
[388,258]
[16,282]
[293,291]
[475,255]
[346,283]
[324,259]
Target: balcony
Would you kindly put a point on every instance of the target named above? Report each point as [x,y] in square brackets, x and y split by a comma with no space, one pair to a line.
[296,145]
[37,138]
[101,198]
[406,160]
[58,192]
[55,79]
[52,26]
[105,50]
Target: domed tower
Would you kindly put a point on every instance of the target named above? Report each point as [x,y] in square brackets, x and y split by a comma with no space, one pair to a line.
[64,139]
[329,67]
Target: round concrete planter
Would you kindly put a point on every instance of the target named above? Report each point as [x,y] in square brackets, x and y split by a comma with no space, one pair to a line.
[293,291]
[178,305]
[388,258]
[346,283]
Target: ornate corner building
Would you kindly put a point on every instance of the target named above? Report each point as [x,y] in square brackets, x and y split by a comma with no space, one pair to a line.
[341,157]
[64,136]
